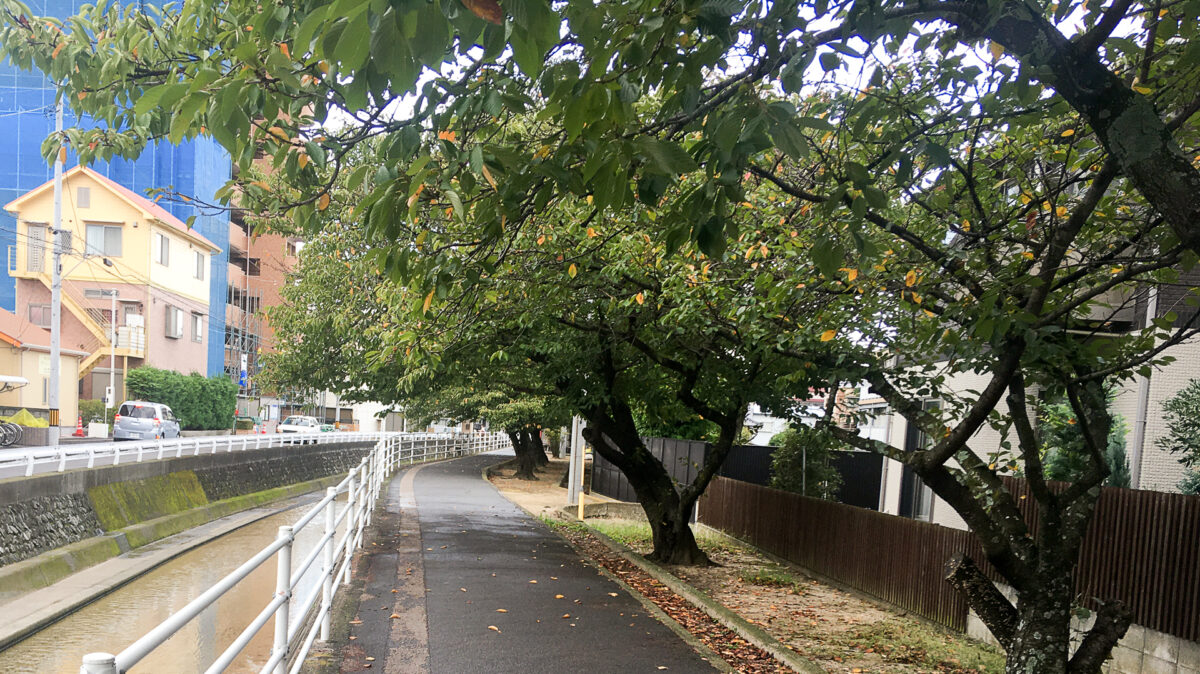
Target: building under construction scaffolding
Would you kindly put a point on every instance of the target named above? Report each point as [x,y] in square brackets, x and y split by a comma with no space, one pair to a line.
[258,268]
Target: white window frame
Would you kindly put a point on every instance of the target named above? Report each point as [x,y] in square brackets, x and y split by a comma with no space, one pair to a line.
[104,230]
[198,272]
[162,249]
[40,307]
[197,328]
[174,322]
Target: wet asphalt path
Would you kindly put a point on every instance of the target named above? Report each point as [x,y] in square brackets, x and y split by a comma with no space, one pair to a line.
[503,593]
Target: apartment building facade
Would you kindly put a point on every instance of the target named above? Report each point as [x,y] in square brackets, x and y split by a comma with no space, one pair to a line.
[136,280]
[197,168]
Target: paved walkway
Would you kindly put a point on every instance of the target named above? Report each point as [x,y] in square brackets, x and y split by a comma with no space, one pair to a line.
[463,581]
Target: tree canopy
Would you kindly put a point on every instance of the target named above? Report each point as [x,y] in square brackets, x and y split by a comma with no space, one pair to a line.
[707,202]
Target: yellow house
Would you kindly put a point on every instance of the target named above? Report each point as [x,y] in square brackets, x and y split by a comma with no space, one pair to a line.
[135,278]
[25,353]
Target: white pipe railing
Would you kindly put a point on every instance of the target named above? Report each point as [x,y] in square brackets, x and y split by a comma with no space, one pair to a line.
[31,461]
[292,642]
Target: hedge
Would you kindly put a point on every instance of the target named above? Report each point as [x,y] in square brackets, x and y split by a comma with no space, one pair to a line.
[201,403]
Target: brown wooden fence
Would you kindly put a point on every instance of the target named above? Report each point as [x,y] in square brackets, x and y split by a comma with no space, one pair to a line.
[1143,548]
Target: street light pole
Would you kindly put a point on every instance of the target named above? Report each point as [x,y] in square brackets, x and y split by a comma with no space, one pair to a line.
[56,284]
[109,400]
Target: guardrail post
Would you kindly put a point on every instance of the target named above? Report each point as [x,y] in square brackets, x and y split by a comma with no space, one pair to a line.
[62,459]
[99,663]
[283,588]
[369,479]
[362,501]
[116,454]
[350,503]
[28,465]
[329,569]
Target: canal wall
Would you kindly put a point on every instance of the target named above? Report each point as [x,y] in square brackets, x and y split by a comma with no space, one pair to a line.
[53,525]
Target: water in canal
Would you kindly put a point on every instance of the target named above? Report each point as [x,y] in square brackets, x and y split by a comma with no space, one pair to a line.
[115,621]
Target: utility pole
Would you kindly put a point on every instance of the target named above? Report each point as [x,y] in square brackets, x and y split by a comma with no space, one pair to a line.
[110,399]
[56,282]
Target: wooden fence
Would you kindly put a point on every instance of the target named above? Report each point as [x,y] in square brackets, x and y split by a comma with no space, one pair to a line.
[1142,547]
[893,558]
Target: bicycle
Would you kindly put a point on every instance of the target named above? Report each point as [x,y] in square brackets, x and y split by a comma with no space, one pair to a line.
[10,434]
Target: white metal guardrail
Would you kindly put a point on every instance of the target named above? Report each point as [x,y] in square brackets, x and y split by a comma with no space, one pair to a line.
[294,639]
[30,461]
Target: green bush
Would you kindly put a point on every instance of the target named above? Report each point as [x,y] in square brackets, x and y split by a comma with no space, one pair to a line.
[201,403]
[94,409]
[1063,449]
[244,424]
[802,463]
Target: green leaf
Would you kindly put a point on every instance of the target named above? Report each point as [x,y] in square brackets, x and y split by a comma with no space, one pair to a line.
[665,156]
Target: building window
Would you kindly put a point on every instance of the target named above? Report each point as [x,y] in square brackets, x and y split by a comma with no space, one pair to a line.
[83,197]
[199,262]
[162,249]
[197,328]
[174,322]
[104,240]
[39,315]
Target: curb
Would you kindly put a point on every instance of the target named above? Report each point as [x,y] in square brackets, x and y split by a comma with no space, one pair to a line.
[745,629]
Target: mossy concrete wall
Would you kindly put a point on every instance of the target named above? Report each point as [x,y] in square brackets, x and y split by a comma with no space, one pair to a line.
[48,512]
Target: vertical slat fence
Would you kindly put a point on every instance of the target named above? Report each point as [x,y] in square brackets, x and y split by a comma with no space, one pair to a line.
[1142,547]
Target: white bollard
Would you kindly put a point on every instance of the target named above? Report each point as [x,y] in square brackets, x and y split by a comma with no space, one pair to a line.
[99,663]
[283,588]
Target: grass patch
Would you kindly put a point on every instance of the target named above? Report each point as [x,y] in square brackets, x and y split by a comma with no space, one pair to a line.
[772,576]
[916,643]
[636,535]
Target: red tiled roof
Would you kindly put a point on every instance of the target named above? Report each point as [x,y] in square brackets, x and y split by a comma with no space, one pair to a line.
[161,214]
[21,331]
[138,201]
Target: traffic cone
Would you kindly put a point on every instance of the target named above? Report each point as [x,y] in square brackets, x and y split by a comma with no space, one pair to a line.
[79,427]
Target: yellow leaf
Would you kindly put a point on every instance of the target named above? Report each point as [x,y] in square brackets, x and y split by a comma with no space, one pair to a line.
[279,133]
[851,274]
[1028,255]
[1162,13]
[572,271]
[541,239]
[302,160]
[54,54]
[997,50]
[910,278]
[283,49]
[415,195]
[591,233]
[828,335]
[323,67]
[428,301]
[323,202]
[589,200]
[1061,211]
[493,628]
[1145,91]
[488,176]
[446,135]
[639,298]
[1068,133]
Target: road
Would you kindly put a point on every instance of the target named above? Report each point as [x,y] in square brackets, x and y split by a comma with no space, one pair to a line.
[464,581]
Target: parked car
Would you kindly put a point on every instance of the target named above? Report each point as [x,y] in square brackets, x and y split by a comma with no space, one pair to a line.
[142,420]
[299,424]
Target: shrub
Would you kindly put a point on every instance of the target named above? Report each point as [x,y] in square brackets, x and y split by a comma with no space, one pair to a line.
[1182,414]
[1064,451]
[94,410]
[201,403]
[244,424]
[802,463]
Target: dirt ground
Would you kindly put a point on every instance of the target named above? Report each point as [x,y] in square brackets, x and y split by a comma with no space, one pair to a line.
[838,630]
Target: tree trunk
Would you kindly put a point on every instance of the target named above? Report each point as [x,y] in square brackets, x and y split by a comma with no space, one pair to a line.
[538,448]
[667,514]
[526,462]
[1042,635]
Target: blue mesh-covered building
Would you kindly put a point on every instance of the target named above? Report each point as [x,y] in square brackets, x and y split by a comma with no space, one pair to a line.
[196,168]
